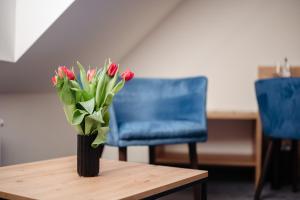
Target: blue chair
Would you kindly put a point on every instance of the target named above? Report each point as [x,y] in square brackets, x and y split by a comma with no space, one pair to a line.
[279,108]
[150,112]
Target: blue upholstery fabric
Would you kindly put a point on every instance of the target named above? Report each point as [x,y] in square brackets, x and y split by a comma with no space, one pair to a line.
[159,111]
[158,129]
[279,107]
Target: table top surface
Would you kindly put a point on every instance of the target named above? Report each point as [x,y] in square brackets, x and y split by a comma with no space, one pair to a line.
[58,179]
[232,115]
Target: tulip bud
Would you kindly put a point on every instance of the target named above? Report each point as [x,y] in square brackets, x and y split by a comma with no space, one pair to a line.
[70,74]
[112,69]
[90,74]
[54,80]
[63,70]
[127,75]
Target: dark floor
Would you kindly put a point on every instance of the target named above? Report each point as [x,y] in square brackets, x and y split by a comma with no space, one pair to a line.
[235,184]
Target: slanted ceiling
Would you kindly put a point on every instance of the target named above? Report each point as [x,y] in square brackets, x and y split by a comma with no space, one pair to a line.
[23,22]
[88,31]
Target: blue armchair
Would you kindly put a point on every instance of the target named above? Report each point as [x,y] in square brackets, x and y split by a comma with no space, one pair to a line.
[279,107]
[154,112]
[159,111]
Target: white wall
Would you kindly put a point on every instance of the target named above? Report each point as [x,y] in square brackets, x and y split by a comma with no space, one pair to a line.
[35,128]
[225,40]
[7,30]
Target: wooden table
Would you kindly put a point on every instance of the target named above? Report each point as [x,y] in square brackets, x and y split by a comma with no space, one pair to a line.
[58,179]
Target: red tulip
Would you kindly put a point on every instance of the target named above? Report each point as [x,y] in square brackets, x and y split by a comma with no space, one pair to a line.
[54,80]
[127,75]
[112,69]
[90,74]
[63,70]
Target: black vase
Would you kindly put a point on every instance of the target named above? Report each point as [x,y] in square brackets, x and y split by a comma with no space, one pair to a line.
[87,156]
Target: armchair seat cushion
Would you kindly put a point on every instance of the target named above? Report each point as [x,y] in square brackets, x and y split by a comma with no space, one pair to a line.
[164,129]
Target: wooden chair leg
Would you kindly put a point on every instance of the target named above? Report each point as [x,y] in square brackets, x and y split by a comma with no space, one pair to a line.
[193,155]
[194,165]
[123,153]
[294,165]
[152,155]
[275,179]
[262,177]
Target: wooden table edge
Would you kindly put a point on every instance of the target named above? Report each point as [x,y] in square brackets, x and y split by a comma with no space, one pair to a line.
[149,194]
[170,187]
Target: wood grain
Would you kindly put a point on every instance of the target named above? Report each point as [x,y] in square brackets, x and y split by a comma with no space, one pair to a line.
[170,158]
[258,150]
[270,71]
[227,115]
[58,179]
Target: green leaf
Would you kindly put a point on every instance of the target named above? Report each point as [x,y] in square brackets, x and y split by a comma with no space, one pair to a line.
[60,83]
[78,94]
[69,110]
[86,96]
[83,78]
[89,125]
[66,94]
[118,87]
[96,116]
[74,84]
[92,121]
[75,89]
[100,90]
[93,86]
[88,105]
[108,100]
[106,116]
[101,137]
[78,116]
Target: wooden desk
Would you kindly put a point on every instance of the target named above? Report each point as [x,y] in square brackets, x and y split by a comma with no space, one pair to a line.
[58,179]
[240,149]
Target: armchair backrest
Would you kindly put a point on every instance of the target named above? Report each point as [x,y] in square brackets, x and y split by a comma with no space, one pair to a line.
[279,106]
[144,99]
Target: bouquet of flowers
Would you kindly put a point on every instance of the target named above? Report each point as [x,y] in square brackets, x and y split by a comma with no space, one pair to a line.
[87,97]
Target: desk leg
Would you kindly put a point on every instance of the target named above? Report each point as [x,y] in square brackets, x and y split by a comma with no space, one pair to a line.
[152,155]
[258,150]
[204,191]
[201,184]
[294,165]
